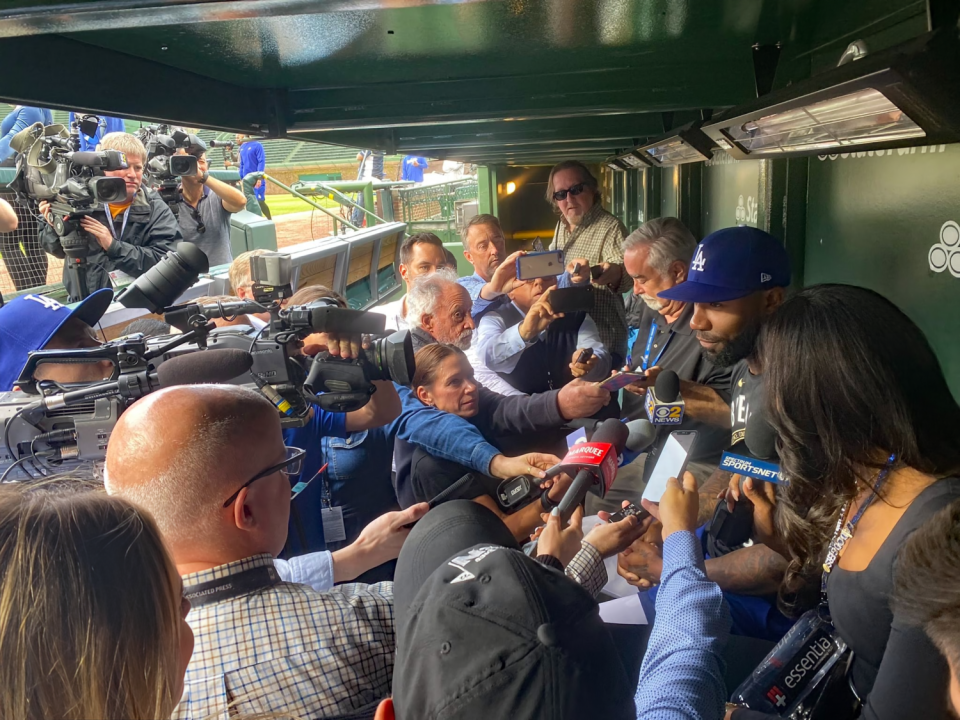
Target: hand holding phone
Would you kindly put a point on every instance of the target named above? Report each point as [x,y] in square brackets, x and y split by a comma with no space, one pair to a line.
[671,462]
[638,512]
[539,264]
[621,380]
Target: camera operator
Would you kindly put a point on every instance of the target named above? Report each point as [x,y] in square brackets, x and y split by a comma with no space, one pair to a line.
[35,322]
[205,208]
[138,233]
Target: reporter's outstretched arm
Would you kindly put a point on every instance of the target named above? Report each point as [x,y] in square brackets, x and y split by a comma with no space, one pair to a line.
[384,407]
[441,434]
[379,542]
[681,677]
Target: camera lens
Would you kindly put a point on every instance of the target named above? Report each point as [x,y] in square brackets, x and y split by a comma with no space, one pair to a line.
[183,165]
[108,189]
[166,281]
[391,358]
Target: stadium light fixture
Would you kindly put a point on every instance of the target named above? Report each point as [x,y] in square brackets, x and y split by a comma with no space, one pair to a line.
[908,95]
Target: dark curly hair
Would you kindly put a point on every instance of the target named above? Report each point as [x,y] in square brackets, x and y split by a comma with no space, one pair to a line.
[848,380]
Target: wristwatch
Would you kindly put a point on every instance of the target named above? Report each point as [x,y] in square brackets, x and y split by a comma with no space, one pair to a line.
[203,178]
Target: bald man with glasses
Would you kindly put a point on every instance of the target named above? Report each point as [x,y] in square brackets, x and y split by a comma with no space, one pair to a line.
[209,463]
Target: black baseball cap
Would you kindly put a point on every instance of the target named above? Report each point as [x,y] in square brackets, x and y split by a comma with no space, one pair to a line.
[492,633]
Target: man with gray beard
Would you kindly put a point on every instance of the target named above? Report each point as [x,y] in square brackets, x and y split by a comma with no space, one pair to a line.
[438,310]
[657,256]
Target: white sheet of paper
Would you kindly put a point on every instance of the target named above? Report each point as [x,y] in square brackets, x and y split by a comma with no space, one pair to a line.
[623,611]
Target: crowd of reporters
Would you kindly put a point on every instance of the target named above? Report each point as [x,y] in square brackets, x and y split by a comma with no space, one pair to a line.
[194,587]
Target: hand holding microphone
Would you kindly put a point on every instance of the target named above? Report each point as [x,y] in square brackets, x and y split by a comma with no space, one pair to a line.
[595,464]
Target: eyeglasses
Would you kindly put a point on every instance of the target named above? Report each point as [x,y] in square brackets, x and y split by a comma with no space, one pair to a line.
[290,466]
[575,190]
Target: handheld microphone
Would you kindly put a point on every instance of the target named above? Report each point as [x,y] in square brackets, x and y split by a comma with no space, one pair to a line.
[663,404]
[763,462]
[595,463]
[641,434]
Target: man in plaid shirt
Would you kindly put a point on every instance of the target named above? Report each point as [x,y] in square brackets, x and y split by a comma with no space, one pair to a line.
[208,462]
[590,236]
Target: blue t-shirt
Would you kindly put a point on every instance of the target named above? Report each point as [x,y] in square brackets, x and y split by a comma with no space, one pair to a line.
[306,529]
[413,166]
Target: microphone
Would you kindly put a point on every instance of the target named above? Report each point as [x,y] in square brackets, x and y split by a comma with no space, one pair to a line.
[760,440]
[595,463]
[641,433]
[206,366]
[664,405]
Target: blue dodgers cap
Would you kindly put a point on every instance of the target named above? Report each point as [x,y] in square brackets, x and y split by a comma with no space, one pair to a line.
[733,263]
[28,322]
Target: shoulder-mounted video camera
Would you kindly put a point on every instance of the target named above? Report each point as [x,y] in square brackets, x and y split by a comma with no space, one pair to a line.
[164,164]
[51,167]
[74,422]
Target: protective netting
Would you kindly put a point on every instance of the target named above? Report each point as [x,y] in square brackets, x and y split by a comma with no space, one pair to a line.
[23,263]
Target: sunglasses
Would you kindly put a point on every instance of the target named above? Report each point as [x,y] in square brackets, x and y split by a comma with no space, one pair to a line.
[195,212]
[574,191]
[290,466]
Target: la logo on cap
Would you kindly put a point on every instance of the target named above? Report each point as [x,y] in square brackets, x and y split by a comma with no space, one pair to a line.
[48,302]
[699,261]
[765,278]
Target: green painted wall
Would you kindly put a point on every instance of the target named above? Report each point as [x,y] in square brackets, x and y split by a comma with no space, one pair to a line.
[872,220]
[731,191]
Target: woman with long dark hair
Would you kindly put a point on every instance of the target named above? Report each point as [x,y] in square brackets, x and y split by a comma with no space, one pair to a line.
[868,441]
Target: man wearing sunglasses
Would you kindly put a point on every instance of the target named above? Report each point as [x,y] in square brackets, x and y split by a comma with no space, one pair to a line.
[209,463]
[205,208]
[590,237]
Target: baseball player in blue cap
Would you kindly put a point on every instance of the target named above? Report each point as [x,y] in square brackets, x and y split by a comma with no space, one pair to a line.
[38,322]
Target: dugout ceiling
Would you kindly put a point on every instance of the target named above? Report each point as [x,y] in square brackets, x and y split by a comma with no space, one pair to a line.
[489,81]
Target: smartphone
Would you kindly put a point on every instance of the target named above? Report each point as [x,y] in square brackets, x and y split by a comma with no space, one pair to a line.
[578,298]
[621,380]
[584,356]
[640,512]
[671,462]
[539,264]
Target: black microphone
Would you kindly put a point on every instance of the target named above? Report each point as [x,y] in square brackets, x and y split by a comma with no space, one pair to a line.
[760,439]
[641,433]
[205,366]
[663,404]
[595,463]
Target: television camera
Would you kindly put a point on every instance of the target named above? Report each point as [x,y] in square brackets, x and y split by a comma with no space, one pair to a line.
[164,165]
[51,167]
[48,426]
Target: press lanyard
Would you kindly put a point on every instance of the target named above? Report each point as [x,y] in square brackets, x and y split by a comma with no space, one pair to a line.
[844,532]
[123,226]
[646,353]
[232,586]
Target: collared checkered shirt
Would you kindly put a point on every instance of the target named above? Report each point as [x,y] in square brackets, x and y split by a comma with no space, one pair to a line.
[587,569]
[599,239]
[287,648]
